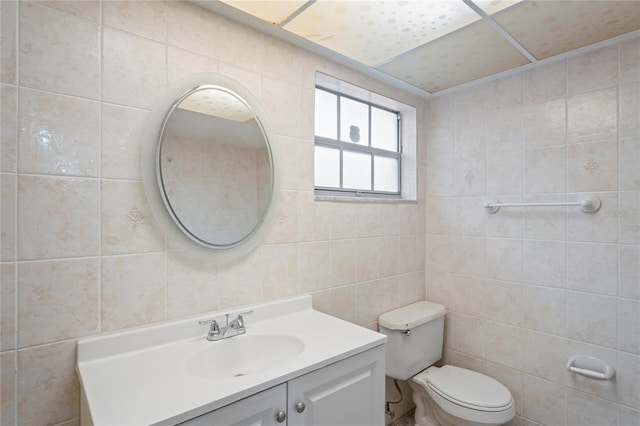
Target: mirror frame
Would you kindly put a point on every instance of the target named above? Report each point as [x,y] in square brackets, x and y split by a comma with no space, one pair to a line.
[152,179]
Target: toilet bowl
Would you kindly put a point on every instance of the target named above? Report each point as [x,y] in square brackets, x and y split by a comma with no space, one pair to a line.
[454,396]
[444,396]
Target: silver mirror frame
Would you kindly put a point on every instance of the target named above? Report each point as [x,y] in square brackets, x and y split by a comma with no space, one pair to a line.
[152,180]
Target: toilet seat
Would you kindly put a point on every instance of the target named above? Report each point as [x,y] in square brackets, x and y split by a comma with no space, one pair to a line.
[467,395]
[469,388]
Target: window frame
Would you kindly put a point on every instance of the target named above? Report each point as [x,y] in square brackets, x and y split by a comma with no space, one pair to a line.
[343,146]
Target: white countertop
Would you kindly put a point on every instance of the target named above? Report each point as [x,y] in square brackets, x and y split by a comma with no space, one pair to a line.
[140,376]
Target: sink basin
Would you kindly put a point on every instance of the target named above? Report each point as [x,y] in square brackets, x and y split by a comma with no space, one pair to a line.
[243,355]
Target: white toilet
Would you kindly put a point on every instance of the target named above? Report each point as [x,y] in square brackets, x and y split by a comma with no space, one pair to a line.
[445,396]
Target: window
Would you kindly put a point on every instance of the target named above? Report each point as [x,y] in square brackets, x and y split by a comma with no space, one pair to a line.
[359,146]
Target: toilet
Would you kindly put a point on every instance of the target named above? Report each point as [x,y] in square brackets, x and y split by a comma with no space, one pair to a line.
[444,396]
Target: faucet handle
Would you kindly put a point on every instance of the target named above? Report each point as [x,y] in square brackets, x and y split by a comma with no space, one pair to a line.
[214,329]
[240,320]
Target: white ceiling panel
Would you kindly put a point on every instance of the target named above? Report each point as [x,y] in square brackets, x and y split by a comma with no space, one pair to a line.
[372,32]
[272,11]
[493,6]
[548,28]
[433,45]
[466,55]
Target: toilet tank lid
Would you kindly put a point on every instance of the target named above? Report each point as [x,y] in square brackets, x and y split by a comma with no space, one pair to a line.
[411,316]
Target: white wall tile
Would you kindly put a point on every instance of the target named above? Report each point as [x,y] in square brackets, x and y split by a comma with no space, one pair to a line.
[8,296]
[8,387]
[593,166]
[58,300]
[58,52]
[629,324]
[592,116]
[630,61]
[9,130]
[545,124]
[59,135]
[47,383]
[192,285]
[629,385]
[57,217]
[147,19]
[8,217]
[505,173]
[592,319]
[504,302]
[592,268]
[121,145]
[545,82]
[629,171]
[124,54]
[544,401]
[545,309]
[8,50]
[504,259]
[545,263]
[586,409]
[594,70]
[548,364]
[127,224]
[544,170]
[133,291]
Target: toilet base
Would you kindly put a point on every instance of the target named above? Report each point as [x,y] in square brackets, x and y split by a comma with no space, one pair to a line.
[429,413]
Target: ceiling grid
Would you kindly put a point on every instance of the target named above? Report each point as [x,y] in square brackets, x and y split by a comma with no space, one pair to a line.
[435,45]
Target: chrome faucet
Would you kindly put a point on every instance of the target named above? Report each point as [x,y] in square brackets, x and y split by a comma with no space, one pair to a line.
[231,329]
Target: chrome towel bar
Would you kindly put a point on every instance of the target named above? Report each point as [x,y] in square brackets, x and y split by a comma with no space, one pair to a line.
[588,204]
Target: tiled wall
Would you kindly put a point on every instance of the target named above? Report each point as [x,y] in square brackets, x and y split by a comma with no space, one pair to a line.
[80,252]
[527,288]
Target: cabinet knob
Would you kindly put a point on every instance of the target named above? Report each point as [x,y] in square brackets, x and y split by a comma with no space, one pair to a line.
[281,416]
[300,407]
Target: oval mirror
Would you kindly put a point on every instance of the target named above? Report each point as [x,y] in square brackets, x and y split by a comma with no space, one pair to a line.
[209,166]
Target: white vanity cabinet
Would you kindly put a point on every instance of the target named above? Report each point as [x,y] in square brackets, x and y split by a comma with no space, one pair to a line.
[259,409]
[312,368]
[348,392]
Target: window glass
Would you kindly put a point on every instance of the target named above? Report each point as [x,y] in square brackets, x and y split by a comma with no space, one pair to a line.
[327,167]
[385,175]
[384,129]
[354,121]
[357,170]
[326,122]
[357,145]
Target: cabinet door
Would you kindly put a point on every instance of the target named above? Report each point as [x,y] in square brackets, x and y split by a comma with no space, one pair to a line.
[256,410]
[349,392]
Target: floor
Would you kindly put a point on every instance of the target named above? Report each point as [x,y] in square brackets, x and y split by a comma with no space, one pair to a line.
[406,420]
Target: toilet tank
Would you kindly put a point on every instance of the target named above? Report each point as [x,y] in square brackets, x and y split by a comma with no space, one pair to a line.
[415,336]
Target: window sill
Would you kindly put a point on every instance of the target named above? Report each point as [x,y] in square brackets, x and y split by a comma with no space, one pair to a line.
[351,199]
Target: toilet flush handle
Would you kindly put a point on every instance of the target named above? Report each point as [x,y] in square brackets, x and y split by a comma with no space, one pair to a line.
[407,332]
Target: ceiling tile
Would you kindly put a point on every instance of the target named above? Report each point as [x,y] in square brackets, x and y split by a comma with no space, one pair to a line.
[374,31]
[272,11]
[469,54]
[493,6]
[548,28]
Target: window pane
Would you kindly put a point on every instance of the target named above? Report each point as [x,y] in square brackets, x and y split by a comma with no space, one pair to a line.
[384,129]
[326,122]
[327,167]
[356,170]
[385,174]
[354,121]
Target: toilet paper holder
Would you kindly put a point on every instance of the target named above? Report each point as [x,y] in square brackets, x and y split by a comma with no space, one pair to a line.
[592,367]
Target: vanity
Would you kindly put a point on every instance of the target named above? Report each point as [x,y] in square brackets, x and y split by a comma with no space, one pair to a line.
[292,366]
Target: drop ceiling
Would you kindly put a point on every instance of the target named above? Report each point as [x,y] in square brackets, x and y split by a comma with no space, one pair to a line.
[431,46]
